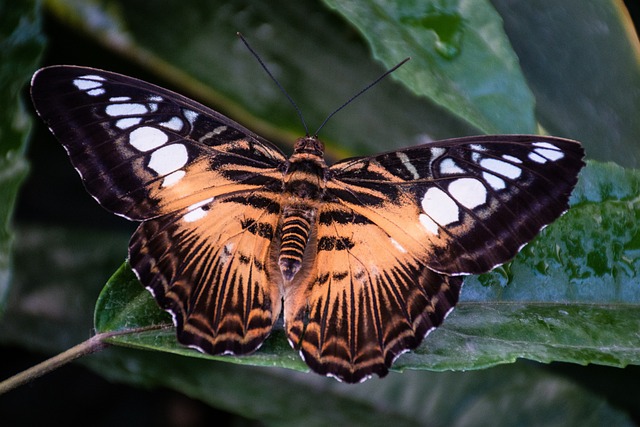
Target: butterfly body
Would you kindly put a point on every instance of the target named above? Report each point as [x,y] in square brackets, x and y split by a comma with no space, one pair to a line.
[304,190]
[363,258]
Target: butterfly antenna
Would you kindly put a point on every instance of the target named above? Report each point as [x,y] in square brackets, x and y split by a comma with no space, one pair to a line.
[264,66]
[369,86]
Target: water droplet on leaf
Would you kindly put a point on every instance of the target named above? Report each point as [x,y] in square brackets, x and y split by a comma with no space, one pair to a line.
[448,27]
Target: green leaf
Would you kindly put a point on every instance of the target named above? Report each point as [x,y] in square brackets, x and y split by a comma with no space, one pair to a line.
[582,60]
[21,45]
[462,58]
[571,295]
[518,394]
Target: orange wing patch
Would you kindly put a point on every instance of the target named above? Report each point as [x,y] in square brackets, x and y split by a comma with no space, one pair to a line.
[208,266]
[203,181]
[366,301]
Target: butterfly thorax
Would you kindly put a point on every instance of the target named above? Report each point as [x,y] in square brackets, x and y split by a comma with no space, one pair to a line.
[303,188]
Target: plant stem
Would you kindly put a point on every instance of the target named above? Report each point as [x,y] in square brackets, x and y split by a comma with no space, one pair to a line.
[92,345]
[89,346]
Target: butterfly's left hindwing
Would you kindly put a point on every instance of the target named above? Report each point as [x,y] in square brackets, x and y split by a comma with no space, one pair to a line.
[143,151]
[209,267]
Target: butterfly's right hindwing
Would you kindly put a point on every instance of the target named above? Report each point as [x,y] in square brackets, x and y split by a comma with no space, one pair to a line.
[144,151]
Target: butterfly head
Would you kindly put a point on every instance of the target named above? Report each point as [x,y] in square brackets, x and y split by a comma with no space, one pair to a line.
[309,144]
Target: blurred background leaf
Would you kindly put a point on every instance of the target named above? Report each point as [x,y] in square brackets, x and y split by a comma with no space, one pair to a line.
[21,45]
[581,64]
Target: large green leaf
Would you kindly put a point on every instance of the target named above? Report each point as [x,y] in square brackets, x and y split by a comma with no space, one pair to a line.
[572,295]
[462,59]
[21,44]
[513,395]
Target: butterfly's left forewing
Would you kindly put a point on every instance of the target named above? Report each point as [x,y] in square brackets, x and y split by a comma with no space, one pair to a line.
[144,151]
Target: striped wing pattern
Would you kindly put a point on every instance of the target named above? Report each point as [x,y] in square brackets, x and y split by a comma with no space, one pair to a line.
[368,301]
[132,142]
[466,204]
[212,273]
[363,258]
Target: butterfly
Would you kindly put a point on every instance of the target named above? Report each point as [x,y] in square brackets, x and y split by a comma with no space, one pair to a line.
[363,258]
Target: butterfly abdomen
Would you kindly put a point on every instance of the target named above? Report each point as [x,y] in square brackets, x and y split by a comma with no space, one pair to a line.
[304,186]
[296,227]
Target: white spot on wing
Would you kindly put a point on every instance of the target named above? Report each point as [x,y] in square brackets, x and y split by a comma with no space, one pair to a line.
[126,109]
[437,152]
[495,182]
[151,291]
[128,122]
[191,116]
[469,192]
[93,77]
[200,204]
[173,178]
[147,138]
[213,133]
[441,208]
[87,82]
[428,224]
[174,123]
[501,168]
[96,92]
[196,212]
[548,151]
[155,98]
[195,215]
[219,130]
[398,246]
[408,165]
[168,159]
[537,157]
[448,166]
[475,155]
[119,98]
[511,158]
